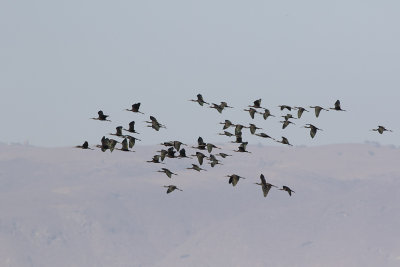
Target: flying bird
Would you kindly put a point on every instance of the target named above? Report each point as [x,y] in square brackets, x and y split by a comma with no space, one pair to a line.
[234,179]
[125,146]
[242,148]
[285,107]
[267,114]
[196,168]
[135,108]
[251,111]
[286,123]
[381,129]
[85,145]
[167,172]
[337,106]
[131,128]
[101,116]
[155,124]
[284,141]
[256,104]
[287,189]
[227,124]
[199,100]
[155,159]
[264,185]
[253,128]
[318,109]
[172,188]
[300,111]
[313,129]
[264,135]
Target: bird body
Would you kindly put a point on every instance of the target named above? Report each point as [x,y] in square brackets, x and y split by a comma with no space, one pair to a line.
[251,111]
[135,108]
[284,141]
[234,179]
[167,172]
[196,168]
[267,114]
[337,106]
[317,110]
[264,185]
[171,188]
[381,129]
[313,129]
[287,189]
[253,128]
[85,145]
[131,128]
[300,111]
[199,100]
[101,116]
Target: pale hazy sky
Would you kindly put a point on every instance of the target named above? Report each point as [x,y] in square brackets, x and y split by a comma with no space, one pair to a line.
[62,61]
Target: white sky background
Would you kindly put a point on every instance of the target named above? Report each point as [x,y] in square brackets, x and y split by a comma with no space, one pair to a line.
[62,61]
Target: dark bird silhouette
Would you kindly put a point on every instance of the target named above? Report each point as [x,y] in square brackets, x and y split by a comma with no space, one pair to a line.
[214,161]
[219,108]
[131,128]
[132,140]
[252,111]
[381,129]
[155,159]
[267,114]
[313,129]
[264,135]
[105,144]
[125,146]
[287,189]
[242,148]
[169,143]
[227,124]
[226,133]
[234,179]
[118,132]
[223,155]
[196,168]
[172,188]
[225,105]
[337,106]
[210,147]
[200,157]
[300,111]
[163,154]
[167,172]
[286,123]
[155,124]
[85,145]
[101,116]
[177,145]
[265,186]
[182,153]
[201,145]
[256,104]
[238,139]
[288,116]
[284,141]
[318,109]
[199,100]
[285,107]
[171,152]
[253,128]
[135,108]
[238,129]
